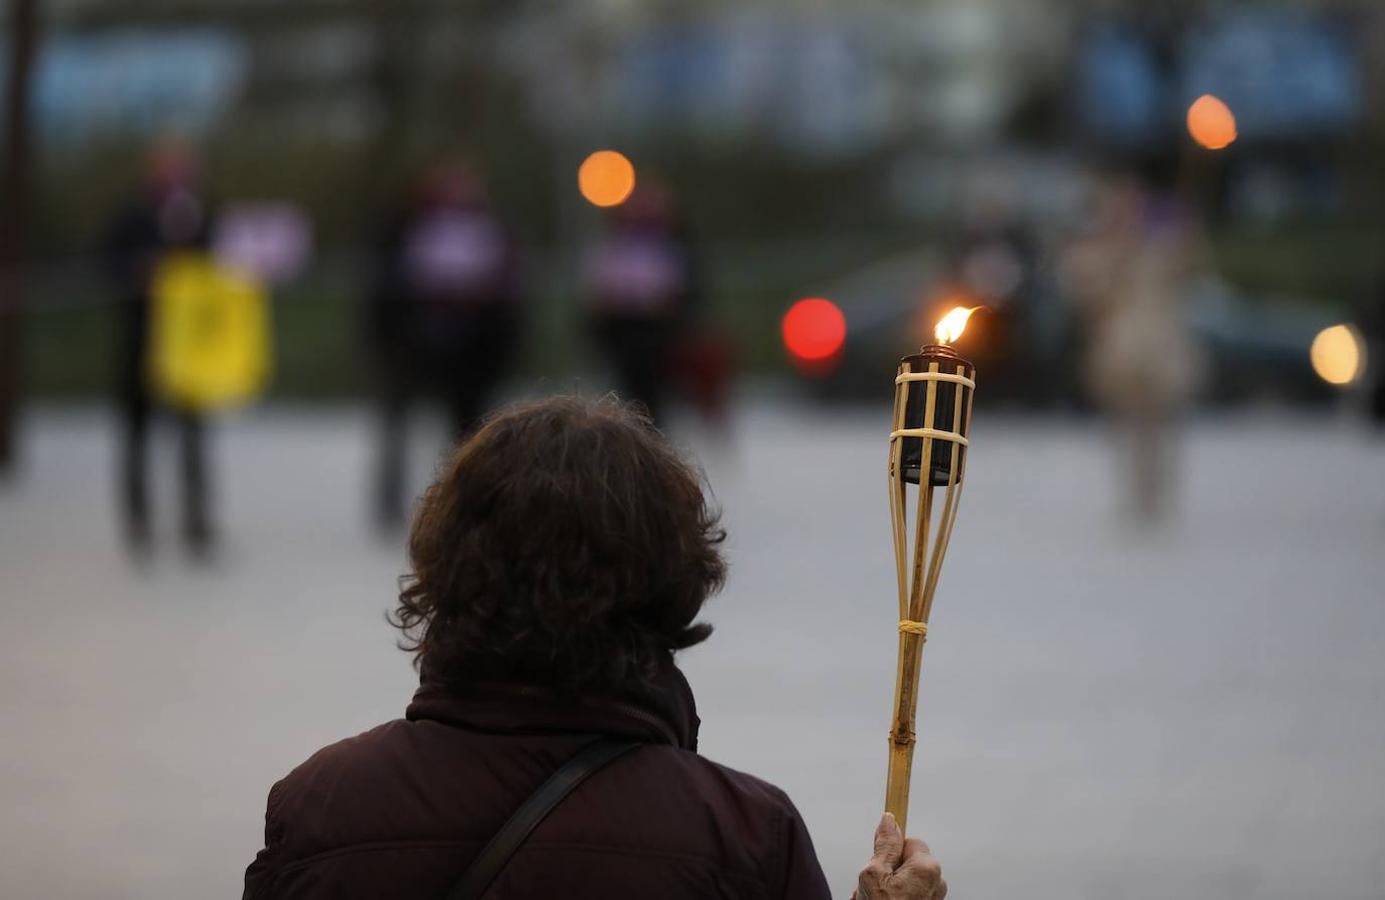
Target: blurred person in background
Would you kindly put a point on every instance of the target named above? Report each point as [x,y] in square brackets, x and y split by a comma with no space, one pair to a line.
[559,563]
[639,283]
[169,212]
[1128,275]
[993,261]
[443,318]
[706,364]
[1373,328]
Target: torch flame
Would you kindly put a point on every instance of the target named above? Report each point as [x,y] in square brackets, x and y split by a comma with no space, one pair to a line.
[951,326]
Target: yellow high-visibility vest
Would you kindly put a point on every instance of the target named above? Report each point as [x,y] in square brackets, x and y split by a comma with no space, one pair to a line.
[210,335]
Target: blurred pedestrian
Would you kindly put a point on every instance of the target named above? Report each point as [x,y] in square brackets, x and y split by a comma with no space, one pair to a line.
[706,364]
[1373,328]
[559,562]
[443,317]
[1129,276]
[168,213]
[640,287]
[993,261]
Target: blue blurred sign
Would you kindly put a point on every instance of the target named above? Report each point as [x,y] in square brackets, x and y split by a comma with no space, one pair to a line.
[138,81]
[1282,74]
[1119,90]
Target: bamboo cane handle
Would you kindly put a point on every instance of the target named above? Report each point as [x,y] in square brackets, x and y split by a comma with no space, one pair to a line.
[897,784]
[901,741]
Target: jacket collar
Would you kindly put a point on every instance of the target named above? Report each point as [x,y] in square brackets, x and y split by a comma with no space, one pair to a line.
[663,714]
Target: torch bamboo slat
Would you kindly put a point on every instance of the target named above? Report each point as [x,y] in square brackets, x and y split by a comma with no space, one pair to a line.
[897,504]
[951,436]
[907,377]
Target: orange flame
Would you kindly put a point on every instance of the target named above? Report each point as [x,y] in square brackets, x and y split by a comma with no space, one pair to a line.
[951,326]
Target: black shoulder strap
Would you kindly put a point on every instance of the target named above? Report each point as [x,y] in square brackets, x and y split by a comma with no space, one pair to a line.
[493,857]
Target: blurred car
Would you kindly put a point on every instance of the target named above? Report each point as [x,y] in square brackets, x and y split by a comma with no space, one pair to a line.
[1257,347]
[1030,355]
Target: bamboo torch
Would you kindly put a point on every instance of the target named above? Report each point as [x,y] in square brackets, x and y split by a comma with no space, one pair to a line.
[928,448]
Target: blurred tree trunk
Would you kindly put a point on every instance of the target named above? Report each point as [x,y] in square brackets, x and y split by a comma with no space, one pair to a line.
[395,80]
[14,208]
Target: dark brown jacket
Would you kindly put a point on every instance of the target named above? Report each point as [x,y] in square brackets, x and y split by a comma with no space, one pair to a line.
[401,810]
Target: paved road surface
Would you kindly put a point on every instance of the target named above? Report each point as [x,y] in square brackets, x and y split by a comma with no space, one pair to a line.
[1105,714]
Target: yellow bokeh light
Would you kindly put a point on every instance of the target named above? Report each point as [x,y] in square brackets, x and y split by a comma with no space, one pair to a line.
[1338,354]
[606,178]
[1211,122]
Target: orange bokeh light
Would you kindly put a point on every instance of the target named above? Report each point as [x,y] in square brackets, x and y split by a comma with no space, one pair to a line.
[1211,122]
[1338,354]
[606,178]
[814,329]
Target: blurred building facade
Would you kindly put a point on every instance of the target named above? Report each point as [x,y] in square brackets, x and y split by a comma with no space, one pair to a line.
[810,143]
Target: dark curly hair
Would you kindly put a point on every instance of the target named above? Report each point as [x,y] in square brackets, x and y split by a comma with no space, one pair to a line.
[565,544]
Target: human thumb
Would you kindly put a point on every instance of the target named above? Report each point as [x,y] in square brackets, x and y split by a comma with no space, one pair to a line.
[889,842]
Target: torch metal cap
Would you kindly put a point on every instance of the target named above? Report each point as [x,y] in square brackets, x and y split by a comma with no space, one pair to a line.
[937,351]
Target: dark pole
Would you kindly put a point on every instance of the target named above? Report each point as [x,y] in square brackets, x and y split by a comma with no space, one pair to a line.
[14,197]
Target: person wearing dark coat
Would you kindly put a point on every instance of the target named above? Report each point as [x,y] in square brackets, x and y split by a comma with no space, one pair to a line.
[442,318]
[1373,326]
[640,285]
[170,212]
[559,562]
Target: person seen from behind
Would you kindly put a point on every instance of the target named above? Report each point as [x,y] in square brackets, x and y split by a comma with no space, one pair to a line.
[559,563]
